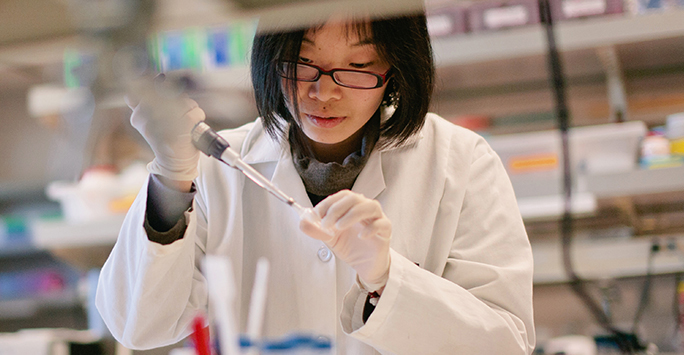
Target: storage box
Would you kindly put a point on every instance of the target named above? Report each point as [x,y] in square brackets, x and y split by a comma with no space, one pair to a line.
[609,148]
[447,21]
[534,160]
[99,194]
[569,9]
[492,15]
[638,7]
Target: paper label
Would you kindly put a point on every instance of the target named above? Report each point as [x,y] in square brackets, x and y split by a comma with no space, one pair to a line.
[506,16]
[533,162]
[439,25]
[579,8]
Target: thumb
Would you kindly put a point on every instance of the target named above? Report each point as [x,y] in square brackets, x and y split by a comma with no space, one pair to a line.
[195,113]
[132,101]
[142,87]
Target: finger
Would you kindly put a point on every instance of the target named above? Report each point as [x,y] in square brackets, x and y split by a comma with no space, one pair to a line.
[142,88]
[380,228]
[315,232]
[363,211]
[195,113]
[138,119]
[168,88]
[323,206]
[338,209]
[160,78]
[132,101]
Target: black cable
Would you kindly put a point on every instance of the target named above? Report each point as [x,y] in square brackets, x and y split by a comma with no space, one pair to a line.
[646,289]
[623,340]
[675,302]
[677,310]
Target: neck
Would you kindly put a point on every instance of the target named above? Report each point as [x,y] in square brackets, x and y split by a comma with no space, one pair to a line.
[336,152]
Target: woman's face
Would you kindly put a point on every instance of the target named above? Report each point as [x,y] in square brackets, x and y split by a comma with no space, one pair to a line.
[330,113]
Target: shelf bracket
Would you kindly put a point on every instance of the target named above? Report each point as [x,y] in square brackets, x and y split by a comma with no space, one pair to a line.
[617,95]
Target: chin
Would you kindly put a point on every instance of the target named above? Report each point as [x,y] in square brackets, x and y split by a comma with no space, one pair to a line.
[315,135]
[324,139]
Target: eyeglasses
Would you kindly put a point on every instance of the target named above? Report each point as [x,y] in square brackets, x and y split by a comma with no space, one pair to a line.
[355,79]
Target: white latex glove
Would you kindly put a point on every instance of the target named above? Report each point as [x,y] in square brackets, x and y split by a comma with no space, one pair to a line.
[362,235]
[165,119]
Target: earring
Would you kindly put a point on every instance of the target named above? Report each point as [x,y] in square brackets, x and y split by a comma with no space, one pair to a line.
[392,99]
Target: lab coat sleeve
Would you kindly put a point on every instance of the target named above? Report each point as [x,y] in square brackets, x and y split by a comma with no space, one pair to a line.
[482,301]
[148,293]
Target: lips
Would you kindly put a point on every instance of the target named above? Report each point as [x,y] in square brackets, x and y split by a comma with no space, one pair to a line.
[325,122]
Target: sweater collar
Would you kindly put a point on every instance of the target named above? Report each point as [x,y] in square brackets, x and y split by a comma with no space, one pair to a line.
[259,147]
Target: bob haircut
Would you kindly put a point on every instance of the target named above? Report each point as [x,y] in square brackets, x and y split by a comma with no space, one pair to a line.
[403,42]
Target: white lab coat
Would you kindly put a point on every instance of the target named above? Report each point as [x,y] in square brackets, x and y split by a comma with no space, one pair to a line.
[460,280]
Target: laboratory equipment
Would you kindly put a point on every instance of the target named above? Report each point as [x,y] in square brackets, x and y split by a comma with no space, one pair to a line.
[200,336]
[257,303]
[221,287]
[211,144]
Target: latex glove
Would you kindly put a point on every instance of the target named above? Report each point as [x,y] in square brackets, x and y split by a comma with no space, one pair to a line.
[165,119]
[362,235]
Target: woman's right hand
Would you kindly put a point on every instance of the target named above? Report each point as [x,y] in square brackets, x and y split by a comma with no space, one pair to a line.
[166,120]
[362,235]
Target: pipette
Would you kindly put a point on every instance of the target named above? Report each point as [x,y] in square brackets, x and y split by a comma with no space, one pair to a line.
[211,144]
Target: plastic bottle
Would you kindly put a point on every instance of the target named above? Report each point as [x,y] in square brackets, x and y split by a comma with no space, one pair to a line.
[675,133]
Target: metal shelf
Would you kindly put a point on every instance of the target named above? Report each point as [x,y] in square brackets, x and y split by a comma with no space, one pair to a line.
[631,183]
[571,35]
[597,259]
[637,182]
[27,307]
[58,233]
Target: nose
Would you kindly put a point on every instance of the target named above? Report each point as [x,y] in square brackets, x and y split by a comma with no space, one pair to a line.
[325,89]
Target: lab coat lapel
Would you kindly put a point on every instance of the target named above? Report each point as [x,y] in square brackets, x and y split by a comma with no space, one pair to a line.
[371,181]
[259,148]
[285,176]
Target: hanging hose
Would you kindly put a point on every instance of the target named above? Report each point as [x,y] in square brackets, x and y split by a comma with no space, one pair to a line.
[626,342]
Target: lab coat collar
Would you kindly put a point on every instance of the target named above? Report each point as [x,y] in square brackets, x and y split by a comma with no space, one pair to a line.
[386,113]
[259,147]
[371,180]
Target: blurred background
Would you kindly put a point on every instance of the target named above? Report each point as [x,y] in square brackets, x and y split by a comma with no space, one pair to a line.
[71,164]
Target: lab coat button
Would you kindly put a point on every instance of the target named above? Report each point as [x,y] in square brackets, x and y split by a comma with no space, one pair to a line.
[324,254]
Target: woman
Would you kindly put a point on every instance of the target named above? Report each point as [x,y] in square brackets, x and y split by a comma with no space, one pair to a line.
[430,255]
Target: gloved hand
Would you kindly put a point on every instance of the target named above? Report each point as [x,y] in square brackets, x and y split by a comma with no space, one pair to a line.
[362,235]
[165,119]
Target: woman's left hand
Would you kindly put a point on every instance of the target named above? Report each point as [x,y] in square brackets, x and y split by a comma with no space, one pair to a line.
[362,234]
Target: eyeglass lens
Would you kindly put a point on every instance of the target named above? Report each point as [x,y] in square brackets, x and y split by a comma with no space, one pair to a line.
[342,77]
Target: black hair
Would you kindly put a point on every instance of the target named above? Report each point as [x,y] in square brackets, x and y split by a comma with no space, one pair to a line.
[403,42]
